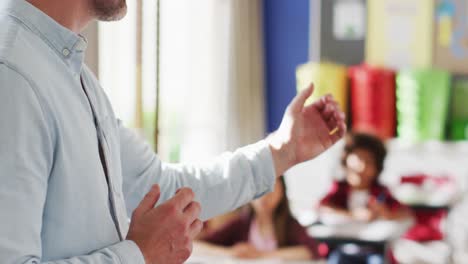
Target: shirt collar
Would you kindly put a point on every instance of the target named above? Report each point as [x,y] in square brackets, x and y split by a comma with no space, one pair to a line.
[68,45]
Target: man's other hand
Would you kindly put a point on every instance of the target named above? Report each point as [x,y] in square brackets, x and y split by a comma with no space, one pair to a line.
[165,233]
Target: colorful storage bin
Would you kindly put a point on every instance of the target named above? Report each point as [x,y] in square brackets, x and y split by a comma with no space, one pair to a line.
[373,107]
[328,78]
[422,104]
[458,124]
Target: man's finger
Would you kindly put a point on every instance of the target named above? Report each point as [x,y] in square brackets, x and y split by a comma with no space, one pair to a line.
[334,130]
[320,103]
[192,210]
[342,130]
[182,198]
[338,130]
[195,228]
[336,124]
[340,116]
[335,119]
[298,102]
[323,101]
[334,103]
[328,112]
[149,201]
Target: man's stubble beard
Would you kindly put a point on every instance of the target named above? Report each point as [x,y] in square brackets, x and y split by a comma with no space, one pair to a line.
[105,10]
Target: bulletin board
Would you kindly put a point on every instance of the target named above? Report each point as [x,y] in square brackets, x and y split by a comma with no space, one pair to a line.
[451,35]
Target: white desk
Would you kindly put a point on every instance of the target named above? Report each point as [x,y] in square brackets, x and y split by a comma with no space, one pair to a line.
[218,260]
[376,231]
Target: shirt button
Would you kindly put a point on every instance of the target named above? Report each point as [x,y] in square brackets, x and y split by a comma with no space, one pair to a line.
[66,52]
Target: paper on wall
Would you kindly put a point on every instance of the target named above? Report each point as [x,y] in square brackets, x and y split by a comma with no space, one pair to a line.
[400,33]
[349,20]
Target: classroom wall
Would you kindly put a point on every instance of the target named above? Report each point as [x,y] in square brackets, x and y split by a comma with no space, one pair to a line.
[286,27]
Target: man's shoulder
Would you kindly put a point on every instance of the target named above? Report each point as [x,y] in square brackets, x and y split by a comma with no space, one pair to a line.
[18,56]
[9,36]
[11,59]
[17,44]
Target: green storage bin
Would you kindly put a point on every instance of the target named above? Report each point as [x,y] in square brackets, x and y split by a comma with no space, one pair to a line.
[459,105]
[458,130]
[422,104]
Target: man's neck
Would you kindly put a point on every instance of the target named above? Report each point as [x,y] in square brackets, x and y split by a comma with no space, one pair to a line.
[72,14]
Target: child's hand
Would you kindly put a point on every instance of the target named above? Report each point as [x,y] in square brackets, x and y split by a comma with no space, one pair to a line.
[363,214]
[246,251]
[379,209]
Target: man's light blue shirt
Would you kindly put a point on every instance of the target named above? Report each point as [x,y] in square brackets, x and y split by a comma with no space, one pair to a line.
[55,202]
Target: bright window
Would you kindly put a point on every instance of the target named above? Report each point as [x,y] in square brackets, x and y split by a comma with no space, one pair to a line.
[128,65]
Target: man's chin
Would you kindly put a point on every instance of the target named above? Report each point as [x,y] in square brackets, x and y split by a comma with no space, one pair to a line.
[103,14]
[114,17]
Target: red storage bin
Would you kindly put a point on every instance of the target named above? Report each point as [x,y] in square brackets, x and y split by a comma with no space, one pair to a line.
[373,100]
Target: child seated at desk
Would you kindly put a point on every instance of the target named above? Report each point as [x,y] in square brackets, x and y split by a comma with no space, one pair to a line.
[265,230]
[360,196]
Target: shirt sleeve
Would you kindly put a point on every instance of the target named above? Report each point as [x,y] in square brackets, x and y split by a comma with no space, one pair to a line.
[229,181]
[26,159]
[390,201]
[334,196]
